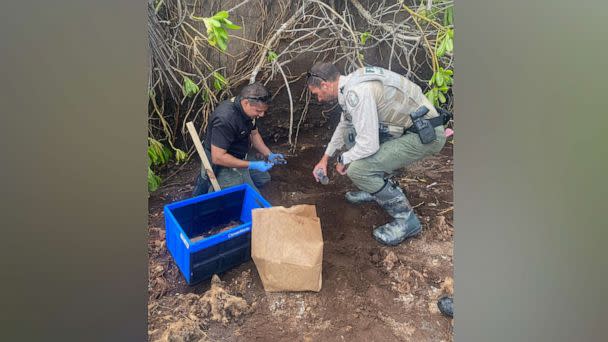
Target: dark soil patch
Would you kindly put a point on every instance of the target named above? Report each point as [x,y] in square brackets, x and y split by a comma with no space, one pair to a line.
[370,292]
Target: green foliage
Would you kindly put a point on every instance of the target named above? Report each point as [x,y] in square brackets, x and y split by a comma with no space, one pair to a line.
[272,56]
[219,82]
[205,96]
[190,88]
[159,154]
[447,43]
[180,155]
[442,77]
[440,82]
[154,181]
[448,16]
[364,37]
[217,29]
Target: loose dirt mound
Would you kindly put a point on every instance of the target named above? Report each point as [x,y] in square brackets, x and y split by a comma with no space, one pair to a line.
[195,311]
[220,305]
[183,331]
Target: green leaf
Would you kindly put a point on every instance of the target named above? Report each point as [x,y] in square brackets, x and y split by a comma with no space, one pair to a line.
[448,80]
[156,152]
[180,155]
[229,25]
[205,96]
[448,16]
[221,33]
[167,154]
[272,56]
[451,15]
[208,25]
[432,80]
[154,181]
[448,72]
[221,15]
[439,78]
[152,157]
[432,95]
[364,37]
[449,44]
[221,43]
[429,95]
[190,88]
[218,81]
[212,39]
[441,97]
[441,49]
[215,22]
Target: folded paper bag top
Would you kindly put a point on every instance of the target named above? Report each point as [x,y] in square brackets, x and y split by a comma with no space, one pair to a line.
[287,248]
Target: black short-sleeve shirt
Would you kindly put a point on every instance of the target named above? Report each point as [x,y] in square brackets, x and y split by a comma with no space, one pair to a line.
[230,128]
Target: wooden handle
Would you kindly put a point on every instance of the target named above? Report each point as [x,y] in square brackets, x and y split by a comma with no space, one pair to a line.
[201,153]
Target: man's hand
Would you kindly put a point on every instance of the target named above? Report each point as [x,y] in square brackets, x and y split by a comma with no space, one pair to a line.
[261,166]
[341,168]
[276,158]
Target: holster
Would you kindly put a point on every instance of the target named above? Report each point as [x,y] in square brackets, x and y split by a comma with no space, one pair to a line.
[425,128]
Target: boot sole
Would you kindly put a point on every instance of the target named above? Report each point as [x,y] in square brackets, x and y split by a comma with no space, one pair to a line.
[362,202]
[399,242]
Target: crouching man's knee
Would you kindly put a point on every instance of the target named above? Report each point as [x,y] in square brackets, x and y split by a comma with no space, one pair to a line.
[260,178]
[364,177]
[356,172]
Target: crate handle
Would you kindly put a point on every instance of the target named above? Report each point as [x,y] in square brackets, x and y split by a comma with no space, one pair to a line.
[185,240]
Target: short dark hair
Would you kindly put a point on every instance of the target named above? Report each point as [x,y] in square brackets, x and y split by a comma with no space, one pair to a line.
[322,71]
[255,93]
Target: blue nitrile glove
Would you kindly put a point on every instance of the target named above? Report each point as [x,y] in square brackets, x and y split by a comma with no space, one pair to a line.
[261,166]
[276,158]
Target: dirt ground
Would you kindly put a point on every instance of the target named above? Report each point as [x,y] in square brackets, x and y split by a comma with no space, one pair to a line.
[370,292]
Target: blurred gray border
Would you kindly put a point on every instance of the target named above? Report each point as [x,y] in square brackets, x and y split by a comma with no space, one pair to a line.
[530,186]
[74,196]
[529,177]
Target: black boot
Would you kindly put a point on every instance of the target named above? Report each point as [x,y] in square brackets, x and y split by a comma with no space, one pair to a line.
[201,186]
[358,197]
[405,223]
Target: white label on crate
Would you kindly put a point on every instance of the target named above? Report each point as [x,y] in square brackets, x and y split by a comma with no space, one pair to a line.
[238,232]
[185,241]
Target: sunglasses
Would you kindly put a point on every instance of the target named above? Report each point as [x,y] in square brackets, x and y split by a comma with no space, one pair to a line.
[264,99]
[310,74]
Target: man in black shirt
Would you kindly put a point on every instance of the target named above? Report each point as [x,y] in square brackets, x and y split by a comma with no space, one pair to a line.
[230,133]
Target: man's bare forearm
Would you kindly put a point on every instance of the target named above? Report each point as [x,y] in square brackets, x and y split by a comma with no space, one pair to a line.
[223,158]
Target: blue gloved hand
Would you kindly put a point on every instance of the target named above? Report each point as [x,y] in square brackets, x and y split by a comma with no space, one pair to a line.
[261,166]
[276,158]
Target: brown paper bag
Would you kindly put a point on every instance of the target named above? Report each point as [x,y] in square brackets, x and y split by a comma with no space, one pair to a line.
[287,248]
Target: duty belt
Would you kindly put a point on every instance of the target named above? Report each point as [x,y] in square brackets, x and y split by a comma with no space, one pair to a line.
[443,118]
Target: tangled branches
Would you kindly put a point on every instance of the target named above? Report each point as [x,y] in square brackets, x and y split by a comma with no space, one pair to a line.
[276,38]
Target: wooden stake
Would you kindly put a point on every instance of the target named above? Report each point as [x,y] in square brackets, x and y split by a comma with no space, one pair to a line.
[203,156]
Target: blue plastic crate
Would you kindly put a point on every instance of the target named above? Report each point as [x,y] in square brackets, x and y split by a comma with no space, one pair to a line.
[187,219]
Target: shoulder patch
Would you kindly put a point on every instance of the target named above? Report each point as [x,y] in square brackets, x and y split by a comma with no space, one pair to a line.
[352,98]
